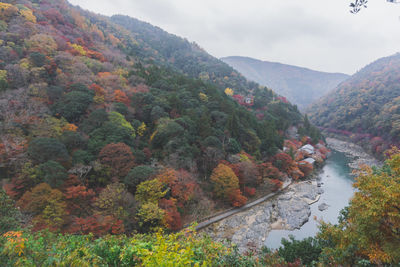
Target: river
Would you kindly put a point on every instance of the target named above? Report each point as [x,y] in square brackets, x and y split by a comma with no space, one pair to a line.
[337,185]
[290,212]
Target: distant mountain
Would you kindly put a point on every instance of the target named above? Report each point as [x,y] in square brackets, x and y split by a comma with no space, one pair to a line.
[366,106]
[301,86]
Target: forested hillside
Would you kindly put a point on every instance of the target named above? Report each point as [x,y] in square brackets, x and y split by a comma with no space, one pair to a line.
[367,234]
[105,129]
[183,56]
[366,106]
[301,86]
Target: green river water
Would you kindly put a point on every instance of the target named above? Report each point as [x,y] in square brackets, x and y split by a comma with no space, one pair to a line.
[338,189]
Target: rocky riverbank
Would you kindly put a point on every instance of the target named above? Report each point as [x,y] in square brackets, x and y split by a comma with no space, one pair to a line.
[288,210]
[354,152]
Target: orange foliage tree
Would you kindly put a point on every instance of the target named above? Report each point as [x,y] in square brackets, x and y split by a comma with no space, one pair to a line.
[236,198]
[306,167]
[120,96]
[181,184]
[118,157]
[226,184]
[224,181]
[47,205]
[295,172]
[184,188]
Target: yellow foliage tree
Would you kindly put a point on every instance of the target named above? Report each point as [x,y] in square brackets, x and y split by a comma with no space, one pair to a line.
[70,127]
[224,180]
[7,11]
[141,129]
[229,91]
[203,97]
[370,227]
[150,212]
[43,43]
[150,191]
[28,15]
[3,75]
[78,48]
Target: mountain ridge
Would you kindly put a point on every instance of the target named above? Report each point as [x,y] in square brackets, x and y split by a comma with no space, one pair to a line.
[300,85]
[365,107]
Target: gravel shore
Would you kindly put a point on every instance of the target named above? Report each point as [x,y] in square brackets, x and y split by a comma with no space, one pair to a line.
[288,210]
[354,152]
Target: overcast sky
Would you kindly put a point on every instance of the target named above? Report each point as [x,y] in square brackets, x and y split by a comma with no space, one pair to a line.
[318,34]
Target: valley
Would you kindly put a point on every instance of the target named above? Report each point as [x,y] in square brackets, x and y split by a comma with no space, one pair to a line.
[296,210]
[300,86]
[123,144]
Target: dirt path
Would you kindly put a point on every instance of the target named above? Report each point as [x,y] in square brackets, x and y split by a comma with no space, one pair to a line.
[231,212]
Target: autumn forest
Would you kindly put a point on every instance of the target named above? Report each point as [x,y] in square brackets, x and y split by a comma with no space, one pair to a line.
[116,137]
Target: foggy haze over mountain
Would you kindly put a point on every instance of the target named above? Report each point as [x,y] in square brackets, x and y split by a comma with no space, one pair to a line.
[321,35]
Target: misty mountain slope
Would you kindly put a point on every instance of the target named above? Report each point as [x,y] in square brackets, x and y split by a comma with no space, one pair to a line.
[301,86]
[184,56]
[366,105]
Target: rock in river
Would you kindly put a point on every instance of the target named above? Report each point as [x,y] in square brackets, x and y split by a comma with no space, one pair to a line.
[294,211]
[323,206]
[287,210]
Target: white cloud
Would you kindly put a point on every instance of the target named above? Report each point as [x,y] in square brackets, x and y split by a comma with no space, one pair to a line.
[318,34]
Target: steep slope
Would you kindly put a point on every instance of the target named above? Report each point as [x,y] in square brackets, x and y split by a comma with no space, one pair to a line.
[301,86]
[184,56]
[109,130]
[365,106]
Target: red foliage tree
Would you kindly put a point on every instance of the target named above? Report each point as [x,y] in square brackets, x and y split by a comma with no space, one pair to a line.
[147,152]
[172,217]
[236,198]
[282,99]
[267,170]
[283,161]
[98,89]
[184,188]
[292,144]
[181,184]
[300,155]
[295,172]
[249,191]
[54,16]
[78,199]
[97,224]
[306,167]
[17,187]
[96,55]
[118,157]
[276,184]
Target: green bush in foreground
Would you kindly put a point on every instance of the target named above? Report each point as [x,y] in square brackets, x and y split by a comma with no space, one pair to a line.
[48,249]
